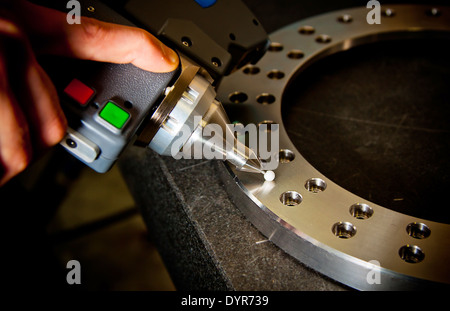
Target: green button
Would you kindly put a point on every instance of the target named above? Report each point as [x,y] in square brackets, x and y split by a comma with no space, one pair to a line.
[115,115]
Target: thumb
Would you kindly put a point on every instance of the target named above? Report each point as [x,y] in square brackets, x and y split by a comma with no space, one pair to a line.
[106,42]
[98,41]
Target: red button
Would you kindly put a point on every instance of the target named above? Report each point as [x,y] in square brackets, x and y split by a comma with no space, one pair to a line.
[79,92]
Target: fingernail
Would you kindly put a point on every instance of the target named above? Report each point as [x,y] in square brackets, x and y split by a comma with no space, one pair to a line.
[170,55]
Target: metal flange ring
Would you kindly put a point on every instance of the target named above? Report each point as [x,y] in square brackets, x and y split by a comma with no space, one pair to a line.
[328,228]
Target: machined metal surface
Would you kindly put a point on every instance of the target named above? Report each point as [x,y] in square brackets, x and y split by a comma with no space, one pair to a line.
[328,228]
[177,127]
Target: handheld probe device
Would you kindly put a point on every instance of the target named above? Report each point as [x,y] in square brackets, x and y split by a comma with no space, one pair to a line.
[109,106]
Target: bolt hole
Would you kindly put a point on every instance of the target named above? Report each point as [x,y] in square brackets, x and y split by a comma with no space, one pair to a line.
[265,99]
[286,156]
[128,104]
[275,74]
[186,41]
[306,30]
[315,185]
[275,47]
[291,198]
[343,230]
[255,22]
[232,36]
[346,18]
[361,211]
[411,253]
[71,143]
[251,70]
[435,12]
[238,97]
[295,54]
[216,62]
[91,9]
[388,12]
[323,39]
[418,230]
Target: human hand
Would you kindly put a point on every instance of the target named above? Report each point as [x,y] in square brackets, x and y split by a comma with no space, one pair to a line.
[31,119]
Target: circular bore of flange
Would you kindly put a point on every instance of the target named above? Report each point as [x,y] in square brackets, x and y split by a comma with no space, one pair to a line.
[345,237]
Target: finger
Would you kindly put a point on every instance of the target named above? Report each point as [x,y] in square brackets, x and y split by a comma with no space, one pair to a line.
[15,145]
[33,88]
[98,41]
[43,109]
